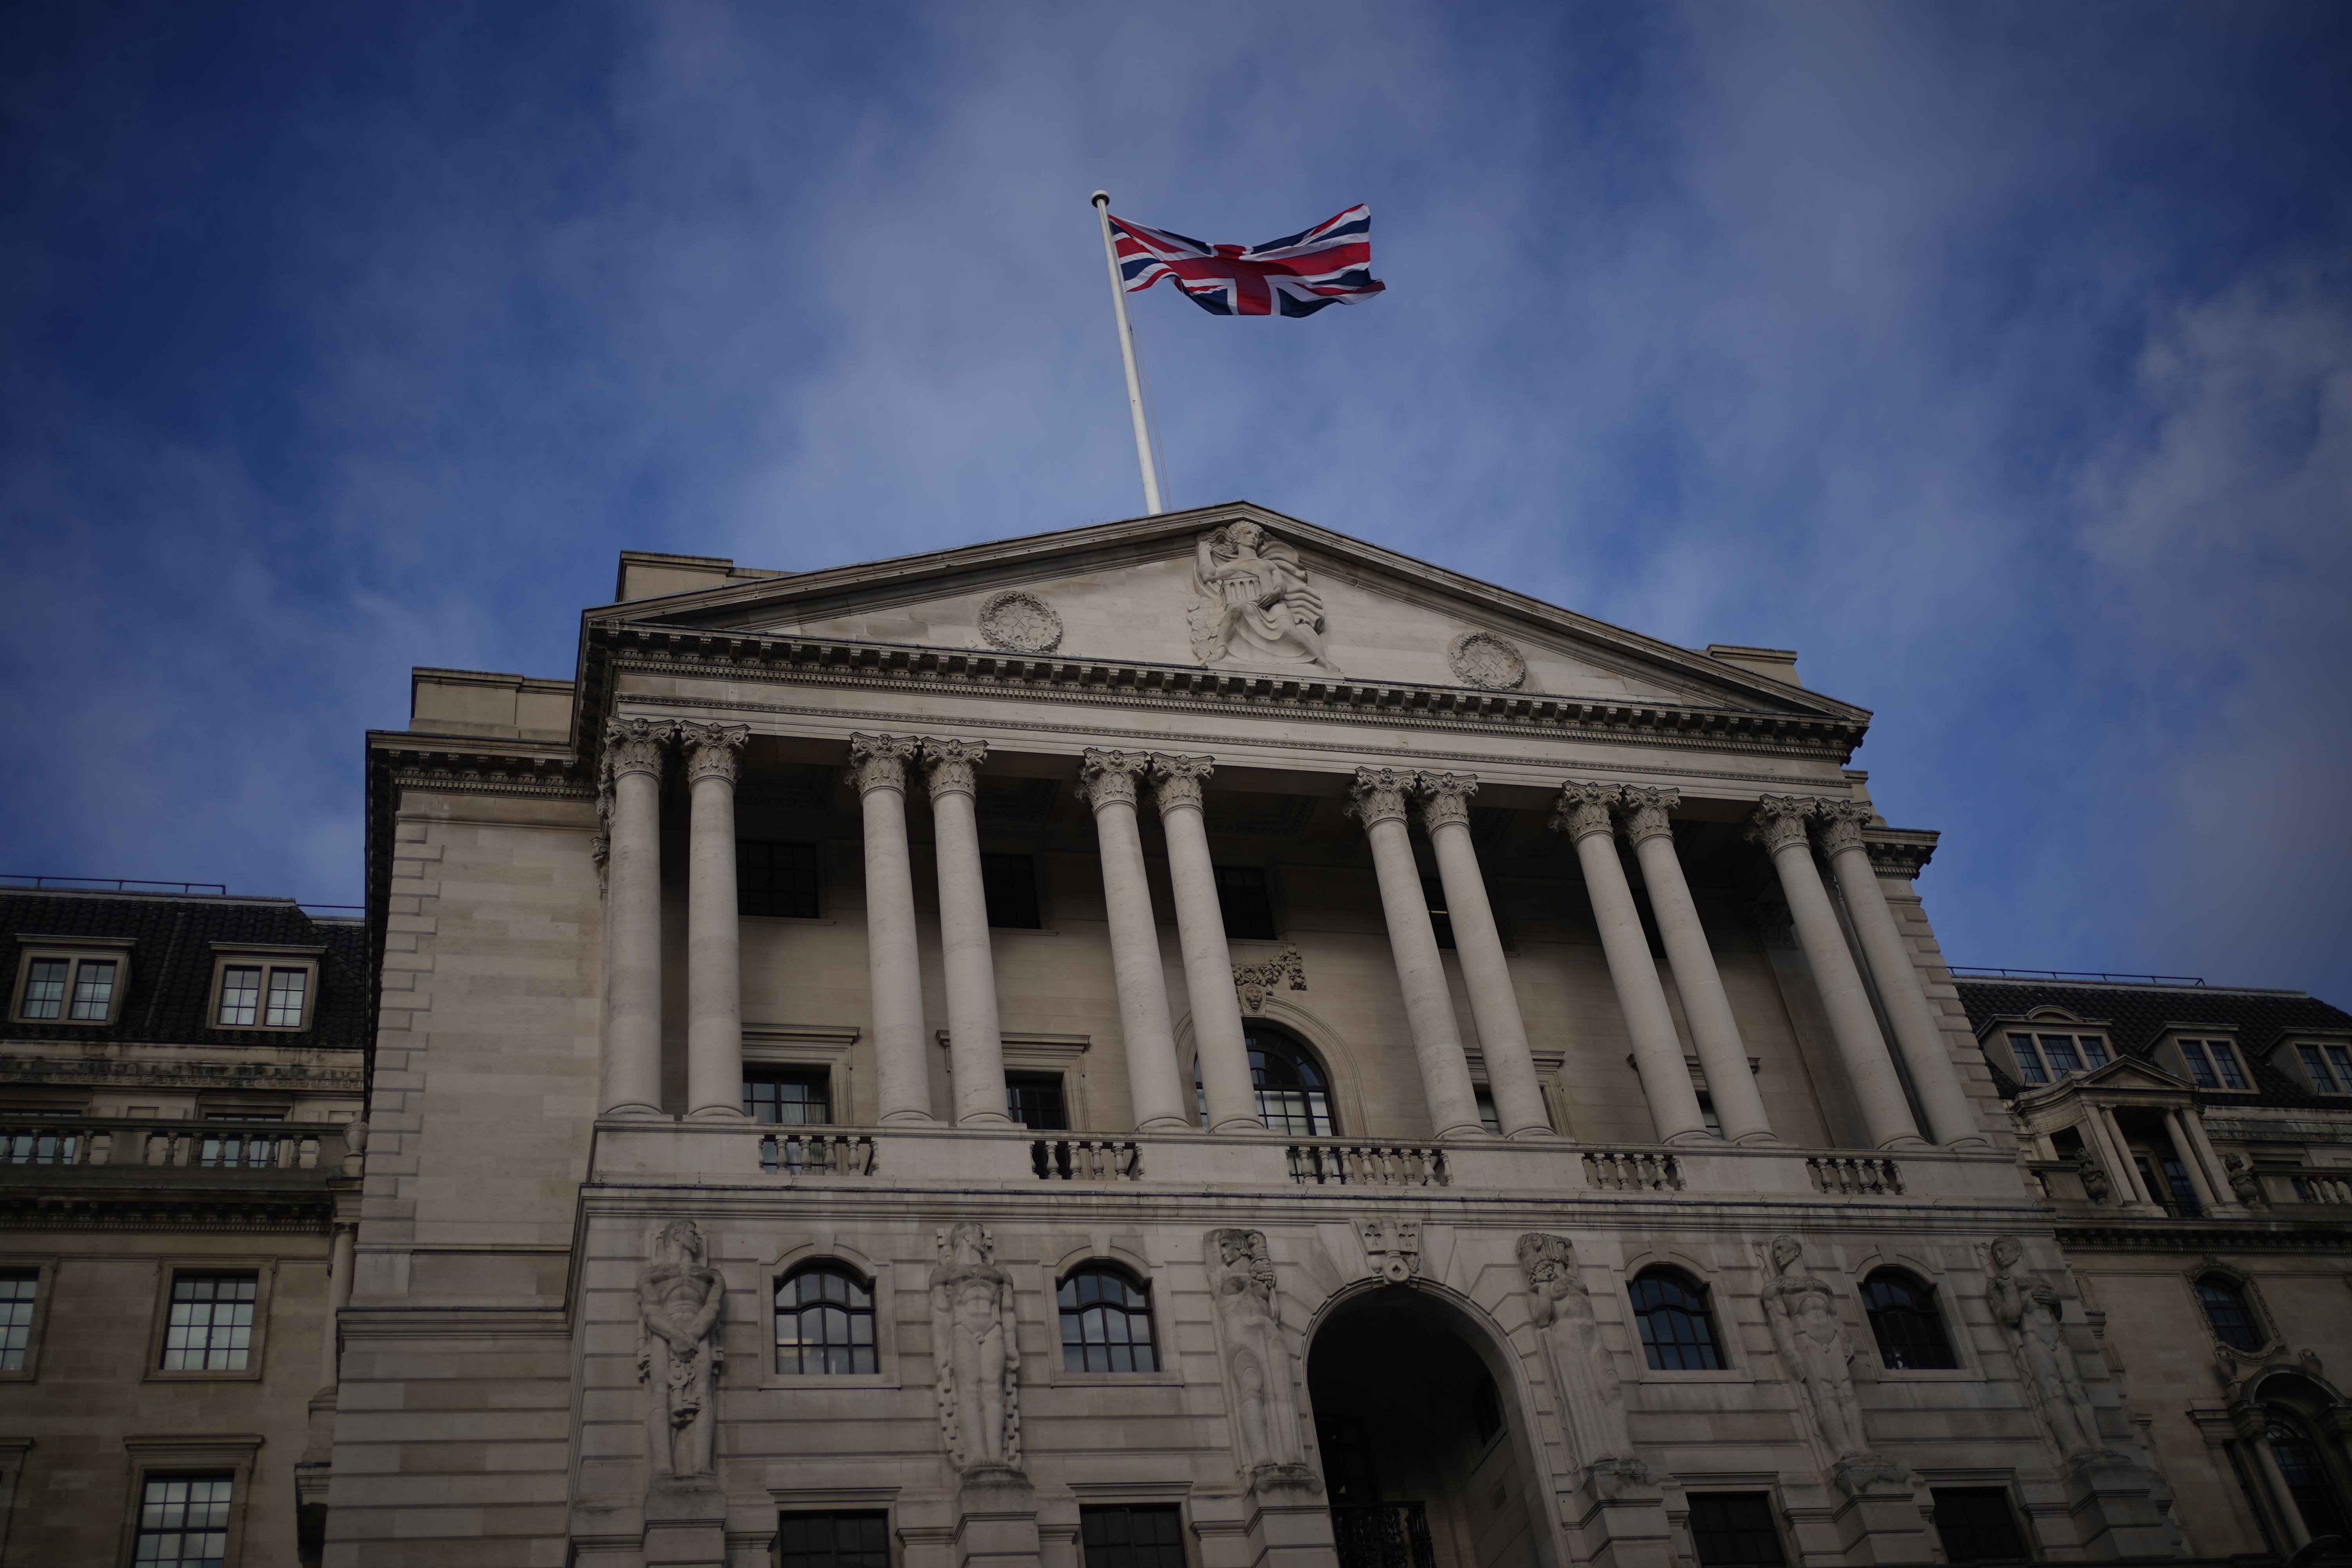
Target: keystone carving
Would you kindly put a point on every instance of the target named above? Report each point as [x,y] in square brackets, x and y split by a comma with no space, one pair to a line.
[713,750]
[1583,810]
[1779,821]
[1378,794]
[1260,1379]
[1644,813]
[679,1299]
[1019,623]
[880,762]
[1444,799]
[1252,604]
[1109,778]
[1586,1388]
[1838,823]
[1177,780]
[973,1351]
[1252,982]
[1394,1248]
[2027,1309]
[950,764]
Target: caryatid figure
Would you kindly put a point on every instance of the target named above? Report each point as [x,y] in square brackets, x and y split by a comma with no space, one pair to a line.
[973,1349]
[1257,1352]
[679,1299]
[1802,1310]
[1585,1385]
[2027,1309]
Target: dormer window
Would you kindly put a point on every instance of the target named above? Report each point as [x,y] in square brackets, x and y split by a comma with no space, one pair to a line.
[2214,1064]
[2327,1066]
[269,989]
[58,985]
[2044,1058]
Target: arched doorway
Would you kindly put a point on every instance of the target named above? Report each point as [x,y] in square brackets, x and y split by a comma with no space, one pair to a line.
[1422,1436]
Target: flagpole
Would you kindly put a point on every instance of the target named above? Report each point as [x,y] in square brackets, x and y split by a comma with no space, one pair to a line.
[1126,357]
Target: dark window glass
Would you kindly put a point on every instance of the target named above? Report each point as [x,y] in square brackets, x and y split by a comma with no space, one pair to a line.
[2317,1065]
[93,992]
[1291,1094]
[2184,1191]
[1131,1535]
[1903,1316]
[182,1523]
[1035,1101]
[2342,1058]
[2225,1062]
[44,988]
[1105,1323]
[1348,1469]
[1977,1526]
[24,1146]
[2226,1309]
[2306,1477]
[1433,893]
[240,1151]
[1009,882]
[1248,905]
[2060,1050]
[19,1289]
[1486,1409]
[791,1099]
[825,1321]
[1677,1331]
[1707,1114]
[211,1329]
[775,879]
[2029,1064]
[2094,1051]
[2200,1071]
[1489,1117]
[1734,1529]
[833,1539]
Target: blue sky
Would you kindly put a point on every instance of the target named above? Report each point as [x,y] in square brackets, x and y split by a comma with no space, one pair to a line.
[1998,359]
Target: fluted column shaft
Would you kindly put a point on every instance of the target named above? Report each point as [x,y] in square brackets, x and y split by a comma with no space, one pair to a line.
[894,971]
[1380,796]
[1108,781]
[975,1051]
[1779,825]
[1645,817]
[1933,1078]
[339,1295]
[1208,962]
[634,749]
[714,967]
[2186,1148]
[1584,815]
[1444,802]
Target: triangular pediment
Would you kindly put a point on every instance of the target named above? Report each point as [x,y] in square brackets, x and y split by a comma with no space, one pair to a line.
[1233,587]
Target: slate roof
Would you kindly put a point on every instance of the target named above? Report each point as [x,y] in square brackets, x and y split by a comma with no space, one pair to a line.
[171,964]
[2135,1016]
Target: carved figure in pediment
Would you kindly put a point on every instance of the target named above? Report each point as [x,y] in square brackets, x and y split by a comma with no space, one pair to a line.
[1253,604]
[680,1297]
[1802,1310]
[2027,1309]
[1591,1396]
[1257,1354]
[973,1353]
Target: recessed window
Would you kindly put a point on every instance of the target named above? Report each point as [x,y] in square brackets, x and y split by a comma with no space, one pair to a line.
[183,1521]
[1247,903]
[2174,1191]
[1035,1101]
[1292,1096]
[776,879]
[788,1097]
[1106,1322]
[1977,1525]
[1441,921]
[211,1327]
[825,1321]
[2044,1058]
[1734,1529]
[833,1539]
[70,987]
[2306,1473]
[2214,1064]
[1677,1328]
[1903,1320]
[2028,1059]
[1486,1409]
[255,993]
[1009,882]
[2329,1067]
[19,1292]
[1131,1535]
[1489,1117]
[2229,1314]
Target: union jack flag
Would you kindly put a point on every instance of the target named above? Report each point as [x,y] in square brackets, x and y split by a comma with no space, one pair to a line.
[1331,264]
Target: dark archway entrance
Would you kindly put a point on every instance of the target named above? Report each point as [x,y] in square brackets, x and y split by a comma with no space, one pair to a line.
[1422,1441]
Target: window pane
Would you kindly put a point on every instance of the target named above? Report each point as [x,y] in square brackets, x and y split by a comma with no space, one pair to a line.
[776,879]
[2200,1071]
[1903,1320]
[2317,1065]
[2225,1062]
[2029,1064]
[1246,902]
[2094,1051]
[1035,1101]
[1977,1526]
[211,1326]
[786,1098]
[1677,1332]
[2306,1477]
[1131,1535]
[833,1539]
[288,988]
[93,992]
[182,1523]
[44,987]
[17,1289]
[1489,1117]
[2342,1059]
[2060,1051]
[1105,1323]
[2226,1309]
[1734,1529]
[824,1322]
[1433,893]
[241,999]
[1009,883]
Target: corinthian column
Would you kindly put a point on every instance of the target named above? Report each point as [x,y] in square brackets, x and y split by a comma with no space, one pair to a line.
[1445,801]
[894,971]
[714,973]
[1379,797]
[1107,781]
[1645,816]
[1583,815]
[975,1052]
[634,749]
[1779,825]
[1208,961]
[1934,1079]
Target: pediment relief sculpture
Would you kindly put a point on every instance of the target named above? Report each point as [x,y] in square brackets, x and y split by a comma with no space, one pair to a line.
[1252,604]
[1483,659]
[1019,623]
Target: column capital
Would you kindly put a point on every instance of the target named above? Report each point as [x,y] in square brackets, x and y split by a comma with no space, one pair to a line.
[1779,821]
[1838,823]
[1378,794]
[1444,798]
[1178,780]
[1109,778]
[712,751]
[880,762]
[1645,811]
[950,765]
[636,746]
[1583,809]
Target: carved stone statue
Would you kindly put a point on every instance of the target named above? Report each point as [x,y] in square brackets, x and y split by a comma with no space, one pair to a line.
[1584,1379]
[1256,1351]
[680,1297]
[1802,1310]
[2027,1310]
[972,1347]
[1254,604]
[2094,1181]
[2244,1182]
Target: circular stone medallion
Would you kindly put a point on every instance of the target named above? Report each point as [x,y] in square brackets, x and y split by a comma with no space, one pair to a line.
[1020,623]
[1482,659]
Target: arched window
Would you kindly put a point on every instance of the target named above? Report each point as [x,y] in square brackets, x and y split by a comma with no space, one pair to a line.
[1293,1095]
[1903,1316]
[1677,1329]
[2232,1317]
[2305,1471]
[1106,1322]
[825,1321]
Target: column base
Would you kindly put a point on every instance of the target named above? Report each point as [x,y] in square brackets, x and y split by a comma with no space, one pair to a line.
[1974,1143]
[635,1110]
[1691,1135]
[1535,1135]
[1766,1139]
[986,1119]
[909,1118]
[1249,1125]
[1904,1142]
[1168,1124]
[1464,1130]
[717,1113]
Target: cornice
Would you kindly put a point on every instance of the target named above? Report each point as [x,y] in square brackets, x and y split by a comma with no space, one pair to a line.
[183,1074]
[309,1210]
[547,770]
[2202,1237]
[1899,851]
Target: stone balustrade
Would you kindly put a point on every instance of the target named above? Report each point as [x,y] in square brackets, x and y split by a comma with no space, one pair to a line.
[64,1149]
[1855,1173]
[1631,1170]
[817,1154]
[1338,1162]
[1086,1159]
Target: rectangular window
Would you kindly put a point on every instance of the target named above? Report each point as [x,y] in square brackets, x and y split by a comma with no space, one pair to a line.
[2200,1071]
[2094,1051]
[1035,1101]
[2029,1064]
[789,1099]
[262,996]
[69,988]
[211,1328]
[1489,1117]
[2175,1178]
[1131,1535]
[775,879]
[93,991]
[44,988]
[1009,882]
[1734,1529]
[1977,1526]
[833,1541]
[2341,1058]
[2058,1050]
[1247,903]
[240,996]
[182,1523]
[287,989]
[1707,1114]
[2225,1062]
[2317,1065]
[1433,893]
[18,1290]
